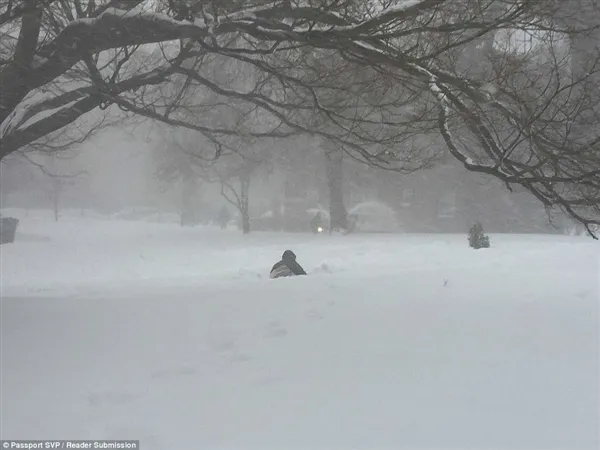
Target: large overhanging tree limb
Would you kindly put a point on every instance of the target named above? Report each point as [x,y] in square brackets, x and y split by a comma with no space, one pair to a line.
[518,117]
[69,106]
[544,188]
[115,28]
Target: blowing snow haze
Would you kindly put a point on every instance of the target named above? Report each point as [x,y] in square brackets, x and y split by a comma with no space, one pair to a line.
[431,165]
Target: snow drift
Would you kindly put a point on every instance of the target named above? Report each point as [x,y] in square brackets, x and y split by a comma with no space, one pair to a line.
[177,338]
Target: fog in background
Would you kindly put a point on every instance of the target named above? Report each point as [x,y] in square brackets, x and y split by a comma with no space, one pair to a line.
[147,172]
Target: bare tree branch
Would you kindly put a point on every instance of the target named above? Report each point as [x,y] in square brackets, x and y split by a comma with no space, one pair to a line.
[372,77]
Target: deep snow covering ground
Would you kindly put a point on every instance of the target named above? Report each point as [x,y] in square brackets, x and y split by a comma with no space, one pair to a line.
[176,337]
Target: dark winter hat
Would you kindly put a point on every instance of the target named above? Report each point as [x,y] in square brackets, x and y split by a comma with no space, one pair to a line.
[289,255]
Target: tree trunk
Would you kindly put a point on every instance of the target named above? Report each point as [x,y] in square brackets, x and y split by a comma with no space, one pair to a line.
[56,216]
[189,191]
[245,223]
[244,206]
[56,188]
[337,210]
[56,184]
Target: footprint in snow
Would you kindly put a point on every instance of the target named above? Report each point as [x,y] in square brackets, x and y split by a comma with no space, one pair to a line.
[270,380]
[313,314]
[119,429]
[224,345]
[169,373]
[240,358]
[111,398]
[275,330]
[323,268]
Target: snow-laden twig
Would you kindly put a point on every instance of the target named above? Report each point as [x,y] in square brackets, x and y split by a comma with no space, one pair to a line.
[15,118]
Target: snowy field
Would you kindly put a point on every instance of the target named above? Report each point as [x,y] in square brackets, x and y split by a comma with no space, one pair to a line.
[178,338]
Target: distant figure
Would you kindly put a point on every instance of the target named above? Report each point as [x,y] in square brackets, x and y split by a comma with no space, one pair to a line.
[316,224]
[351,222]
[224,217]
[287,267]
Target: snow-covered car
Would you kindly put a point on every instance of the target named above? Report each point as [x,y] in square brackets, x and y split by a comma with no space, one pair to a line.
[374,217]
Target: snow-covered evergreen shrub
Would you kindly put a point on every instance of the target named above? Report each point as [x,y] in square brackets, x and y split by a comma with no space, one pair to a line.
[477,239]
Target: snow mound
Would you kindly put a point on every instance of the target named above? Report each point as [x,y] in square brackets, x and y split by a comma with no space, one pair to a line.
[375,217]
[176,337]
[332,265]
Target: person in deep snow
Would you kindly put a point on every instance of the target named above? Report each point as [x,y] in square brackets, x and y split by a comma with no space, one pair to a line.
[224,217]
[287,267]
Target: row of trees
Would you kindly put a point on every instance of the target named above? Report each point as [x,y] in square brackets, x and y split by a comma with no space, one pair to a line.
[509,86]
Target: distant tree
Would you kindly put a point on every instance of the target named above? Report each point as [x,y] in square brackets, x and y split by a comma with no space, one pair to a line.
[230,160]
[234,172]
[334,156]
[239,196]
[175,168]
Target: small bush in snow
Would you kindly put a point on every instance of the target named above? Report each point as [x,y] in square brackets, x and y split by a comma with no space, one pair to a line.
[476,237]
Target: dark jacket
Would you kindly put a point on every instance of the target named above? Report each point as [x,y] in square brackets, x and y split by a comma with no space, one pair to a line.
[287,267]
